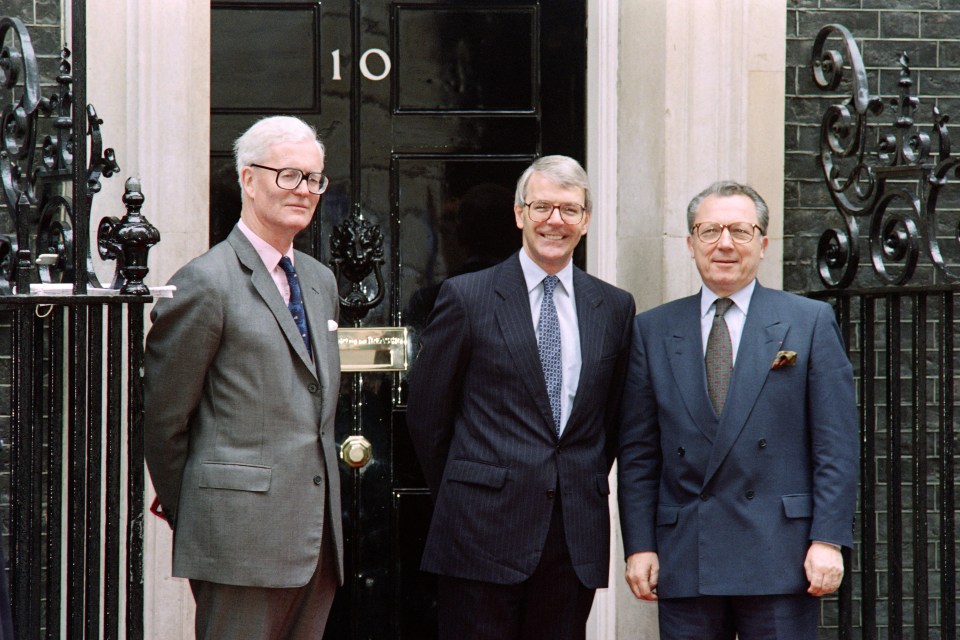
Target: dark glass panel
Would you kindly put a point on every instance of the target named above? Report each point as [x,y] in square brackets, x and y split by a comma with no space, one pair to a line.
[473,134]
[466,59]
[224,197]
[265,60]
[456,216]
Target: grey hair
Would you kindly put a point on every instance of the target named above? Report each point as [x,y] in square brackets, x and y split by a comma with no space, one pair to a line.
[254,144]
[725,189]
[563,170]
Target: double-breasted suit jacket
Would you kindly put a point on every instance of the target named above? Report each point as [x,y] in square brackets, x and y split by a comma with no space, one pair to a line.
[731,503]
[240,422]
[480,419]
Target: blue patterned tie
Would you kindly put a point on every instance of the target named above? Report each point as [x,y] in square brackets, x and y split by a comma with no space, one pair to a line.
[296,301]
[548,343]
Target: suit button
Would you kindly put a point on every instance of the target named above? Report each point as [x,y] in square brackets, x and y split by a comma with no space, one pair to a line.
[704,496]
[313,388]
[750,494]
[317,479]
[681,451]
[551,493]
[762,443]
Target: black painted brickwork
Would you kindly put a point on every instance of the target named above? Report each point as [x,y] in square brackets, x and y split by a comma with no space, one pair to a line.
[43,21]
[929,31]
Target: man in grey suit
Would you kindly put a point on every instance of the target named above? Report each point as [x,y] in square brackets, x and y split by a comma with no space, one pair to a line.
[241,380]
[739,445]
[513,409]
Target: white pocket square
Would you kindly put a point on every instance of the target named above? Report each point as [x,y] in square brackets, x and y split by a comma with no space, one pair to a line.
[331,325]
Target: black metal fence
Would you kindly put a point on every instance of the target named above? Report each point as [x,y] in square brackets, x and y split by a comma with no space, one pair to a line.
[75,349]
[77,451]
[895,189]
[901,579]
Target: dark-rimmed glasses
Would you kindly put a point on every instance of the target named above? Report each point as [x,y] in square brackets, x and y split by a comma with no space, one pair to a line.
[289,179]
[541,210]
[710,232]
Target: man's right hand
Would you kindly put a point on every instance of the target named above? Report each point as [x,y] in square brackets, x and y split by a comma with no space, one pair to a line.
[643,573]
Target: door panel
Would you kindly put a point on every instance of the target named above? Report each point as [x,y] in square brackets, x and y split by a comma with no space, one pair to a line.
[429,112]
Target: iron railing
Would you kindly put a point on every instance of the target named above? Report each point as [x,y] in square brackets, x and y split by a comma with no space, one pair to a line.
[75,354]
[896,309]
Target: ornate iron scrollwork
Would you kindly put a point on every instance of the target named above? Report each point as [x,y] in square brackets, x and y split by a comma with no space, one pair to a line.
[872,180]
[356,246]
[32,170]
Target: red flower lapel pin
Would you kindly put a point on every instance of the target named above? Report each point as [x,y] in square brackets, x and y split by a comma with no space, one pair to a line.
[784,359]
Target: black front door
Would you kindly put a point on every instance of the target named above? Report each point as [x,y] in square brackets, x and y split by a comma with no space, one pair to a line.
[430,111]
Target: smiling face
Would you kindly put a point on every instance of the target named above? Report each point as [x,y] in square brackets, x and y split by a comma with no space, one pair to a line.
[550,243]
[276,214]
[726,266]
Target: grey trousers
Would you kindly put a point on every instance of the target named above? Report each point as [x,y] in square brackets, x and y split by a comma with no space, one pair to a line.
[257,613]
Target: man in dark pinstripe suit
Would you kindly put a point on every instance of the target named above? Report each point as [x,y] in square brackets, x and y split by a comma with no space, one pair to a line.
[520,531]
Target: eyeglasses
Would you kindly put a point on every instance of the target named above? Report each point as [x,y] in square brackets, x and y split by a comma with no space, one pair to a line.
[290,179]
[710,232]
[541,210]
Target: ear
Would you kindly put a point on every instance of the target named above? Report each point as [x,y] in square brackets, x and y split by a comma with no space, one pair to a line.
[690,246]
[518,214]
[247,181]
[763,245]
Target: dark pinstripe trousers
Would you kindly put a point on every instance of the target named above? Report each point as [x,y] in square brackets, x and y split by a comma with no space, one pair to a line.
[552,604]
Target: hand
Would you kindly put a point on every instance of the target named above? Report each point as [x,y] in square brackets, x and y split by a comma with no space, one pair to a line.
[824,567]
[643,573]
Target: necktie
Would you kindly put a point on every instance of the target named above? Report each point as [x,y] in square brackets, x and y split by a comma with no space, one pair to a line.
[548,344]
[296,301]
[719,358]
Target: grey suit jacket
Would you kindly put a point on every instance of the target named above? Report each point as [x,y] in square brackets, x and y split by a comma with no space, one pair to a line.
[732,502]
[240,423]
[479,415]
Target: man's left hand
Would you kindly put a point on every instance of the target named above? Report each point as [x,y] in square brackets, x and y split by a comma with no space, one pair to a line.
[824,567]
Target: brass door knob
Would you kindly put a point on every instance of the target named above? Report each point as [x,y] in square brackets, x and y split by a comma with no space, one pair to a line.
[356,451]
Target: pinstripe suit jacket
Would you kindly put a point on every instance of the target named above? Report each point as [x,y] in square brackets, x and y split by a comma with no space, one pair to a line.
[239,420]
[480,419]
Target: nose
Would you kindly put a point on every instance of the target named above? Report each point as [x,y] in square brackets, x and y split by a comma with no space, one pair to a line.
[555,210]
[302,187]
[726,240]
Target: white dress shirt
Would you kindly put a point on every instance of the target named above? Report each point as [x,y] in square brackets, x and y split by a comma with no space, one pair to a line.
[566,305]
[735,316]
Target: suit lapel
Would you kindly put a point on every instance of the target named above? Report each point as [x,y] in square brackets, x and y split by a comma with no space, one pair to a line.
[318,313]
[267,289]
[684,348]
[516,327]
[591,325]
[763,334]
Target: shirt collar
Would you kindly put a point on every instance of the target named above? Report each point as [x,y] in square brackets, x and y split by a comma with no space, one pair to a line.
[534,275]
[741,298]
[269,255]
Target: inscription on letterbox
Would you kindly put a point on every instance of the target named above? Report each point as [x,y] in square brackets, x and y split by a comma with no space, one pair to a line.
[373,348]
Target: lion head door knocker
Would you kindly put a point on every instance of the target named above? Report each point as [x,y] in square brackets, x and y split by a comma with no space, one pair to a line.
[356,248]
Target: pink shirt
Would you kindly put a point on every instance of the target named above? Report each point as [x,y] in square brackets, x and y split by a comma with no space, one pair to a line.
[271,259]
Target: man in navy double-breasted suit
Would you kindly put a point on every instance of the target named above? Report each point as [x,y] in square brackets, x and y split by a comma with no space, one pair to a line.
[520,529]
[734,507]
